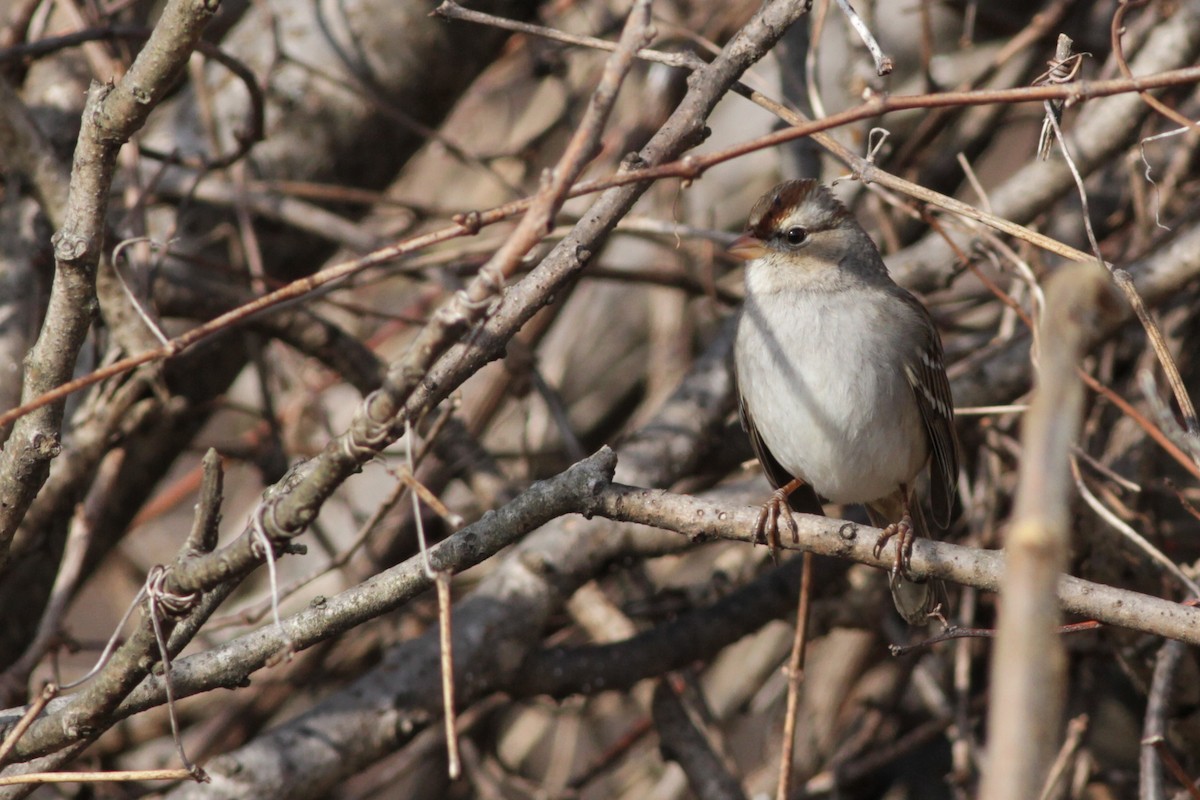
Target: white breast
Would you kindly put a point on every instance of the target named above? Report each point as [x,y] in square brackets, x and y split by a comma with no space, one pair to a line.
[831,402]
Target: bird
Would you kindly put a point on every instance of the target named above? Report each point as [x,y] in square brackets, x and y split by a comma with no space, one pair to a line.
[841,379]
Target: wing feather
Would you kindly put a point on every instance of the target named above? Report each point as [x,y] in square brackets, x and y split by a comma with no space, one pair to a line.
[926,374]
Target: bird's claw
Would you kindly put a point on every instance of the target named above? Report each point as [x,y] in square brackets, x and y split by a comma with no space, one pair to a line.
[903,529]
[766,527]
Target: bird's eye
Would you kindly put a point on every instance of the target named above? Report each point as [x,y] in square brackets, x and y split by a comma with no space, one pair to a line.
[795,236]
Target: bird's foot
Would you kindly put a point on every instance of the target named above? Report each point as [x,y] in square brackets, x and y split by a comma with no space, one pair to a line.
[903,529]
[766,527]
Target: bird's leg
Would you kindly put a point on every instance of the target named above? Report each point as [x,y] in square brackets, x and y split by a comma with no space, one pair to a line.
[904,529]
[766,527]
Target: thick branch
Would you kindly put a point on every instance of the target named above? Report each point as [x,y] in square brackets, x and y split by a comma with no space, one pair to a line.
[113,113]
[1029,661]
[231,664]
[701,520]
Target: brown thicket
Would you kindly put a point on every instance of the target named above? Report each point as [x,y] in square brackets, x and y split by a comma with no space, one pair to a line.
[343,341]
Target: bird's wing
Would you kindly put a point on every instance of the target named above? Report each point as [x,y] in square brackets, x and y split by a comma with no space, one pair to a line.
[926,373]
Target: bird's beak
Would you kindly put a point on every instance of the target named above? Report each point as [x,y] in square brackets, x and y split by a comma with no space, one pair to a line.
[747,248]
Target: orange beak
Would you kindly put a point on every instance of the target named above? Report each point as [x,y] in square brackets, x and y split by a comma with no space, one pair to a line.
[747,248]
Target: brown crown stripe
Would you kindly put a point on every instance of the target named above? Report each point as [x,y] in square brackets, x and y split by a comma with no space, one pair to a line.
[774,207]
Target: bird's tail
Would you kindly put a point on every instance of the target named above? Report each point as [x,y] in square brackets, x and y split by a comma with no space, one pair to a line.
[914,599]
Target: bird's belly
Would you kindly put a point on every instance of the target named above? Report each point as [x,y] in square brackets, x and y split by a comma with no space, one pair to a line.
[834,413]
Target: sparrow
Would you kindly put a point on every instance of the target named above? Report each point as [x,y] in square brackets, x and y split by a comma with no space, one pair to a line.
[842,386]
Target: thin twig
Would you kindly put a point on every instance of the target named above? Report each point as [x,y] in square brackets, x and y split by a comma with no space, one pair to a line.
[1124,282]
[160,603]
[1152,430]
[110,646]
[98,777]
[404,482]
[446,642]
[1154,723]
[452,10]
[795,679]
[1105,470]
[584,142]
[1191,427]
[441,579]
[973,179]
[883,62]
[1139,541]
[1063,69]
[130,294]
[48,693]
[263,541]
[420,490]
[811,64]
[952,632]
[1076,728]
[689,167]
[1168,427]
[1115,30]
[1160,746]
[985,411]
[1052,121]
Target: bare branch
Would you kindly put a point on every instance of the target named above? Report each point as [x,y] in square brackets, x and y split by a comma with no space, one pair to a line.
[1028,662]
